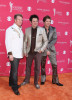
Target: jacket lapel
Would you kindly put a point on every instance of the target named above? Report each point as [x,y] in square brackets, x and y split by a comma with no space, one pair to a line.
[50,32]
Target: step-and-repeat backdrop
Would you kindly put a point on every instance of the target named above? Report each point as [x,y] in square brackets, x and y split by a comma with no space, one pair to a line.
[61,14]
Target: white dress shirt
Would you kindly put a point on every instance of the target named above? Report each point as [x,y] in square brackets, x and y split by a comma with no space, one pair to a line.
[14,41]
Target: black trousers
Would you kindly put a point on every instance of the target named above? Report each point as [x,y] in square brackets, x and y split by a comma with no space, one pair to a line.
[13,78]
[37,59]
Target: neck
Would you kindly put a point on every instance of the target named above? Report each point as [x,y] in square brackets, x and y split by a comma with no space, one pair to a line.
[34,27]
[47,27]
[18,25]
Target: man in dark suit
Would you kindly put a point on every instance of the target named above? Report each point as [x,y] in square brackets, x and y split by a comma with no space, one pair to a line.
[50,52]
[34,44]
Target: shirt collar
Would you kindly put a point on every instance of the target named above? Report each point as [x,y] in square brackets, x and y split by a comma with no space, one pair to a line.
[16,27]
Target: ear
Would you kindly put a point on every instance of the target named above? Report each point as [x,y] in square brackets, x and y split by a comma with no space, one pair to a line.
[15,20]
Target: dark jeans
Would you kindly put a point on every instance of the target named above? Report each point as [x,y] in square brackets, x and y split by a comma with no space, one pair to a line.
[37,58]
[14,73]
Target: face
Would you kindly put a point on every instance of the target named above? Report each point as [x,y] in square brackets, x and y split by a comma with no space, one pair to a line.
[34,22]
[47,22]
[19,21]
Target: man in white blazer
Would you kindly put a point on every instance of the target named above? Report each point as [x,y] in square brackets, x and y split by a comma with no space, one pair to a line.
[14,46]
[35,43]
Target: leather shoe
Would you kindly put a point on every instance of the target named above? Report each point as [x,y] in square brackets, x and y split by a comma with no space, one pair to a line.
[37,86]
[42,83]
[24,83]
[59,84]
[16,92]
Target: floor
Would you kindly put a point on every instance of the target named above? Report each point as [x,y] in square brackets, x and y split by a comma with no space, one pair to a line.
[48,91]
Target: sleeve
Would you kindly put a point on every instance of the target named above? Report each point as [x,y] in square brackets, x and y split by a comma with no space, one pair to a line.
[54,39]
[8,41]
[25,42]
[45,41]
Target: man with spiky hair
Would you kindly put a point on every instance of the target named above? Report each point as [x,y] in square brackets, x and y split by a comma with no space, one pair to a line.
[34,44]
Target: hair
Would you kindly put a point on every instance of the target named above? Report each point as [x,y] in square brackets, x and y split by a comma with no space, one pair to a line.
[33,16]
[46,17]
[15,16]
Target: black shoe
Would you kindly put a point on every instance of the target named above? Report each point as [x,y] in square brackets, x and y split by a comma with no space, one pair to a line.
[24,83]
[16,92]
[59,84]
[18,86]
[42,83]
[37,86]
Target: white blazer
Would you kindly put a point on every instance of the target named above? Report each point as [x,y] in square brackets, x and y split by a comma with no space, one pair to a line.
[14,41]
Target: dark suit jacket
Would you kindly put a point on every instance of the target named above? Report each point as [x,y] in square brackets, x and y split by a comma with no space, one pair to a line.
[51,41]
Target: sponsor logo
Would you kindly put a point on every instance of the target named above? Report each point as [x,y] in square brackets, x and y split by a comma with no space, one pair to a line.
[64,52]
[48,62]
[29,8]
[66,33]
[57,12]
[67,13]
[43,10]
[70,43]
[61,69]
[9,18]
[63,2]
[12,7]
[52,1]
[8,64]
[44,1]
[69,60]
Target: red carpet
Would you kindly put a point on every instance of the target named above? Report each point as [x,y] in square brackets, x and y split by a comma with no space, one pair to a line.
[48,91]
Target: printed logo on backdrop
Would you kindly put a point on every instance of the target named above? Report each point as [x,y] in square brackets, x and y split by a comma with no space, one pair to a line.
[12,7]
[44,1]
[43,10]
[2,30]
[70,43]
[0,44]
[9,18]
[50,70]
[52,22]
[63,23]
[29,8]
[64,52]
[52,1]
[67,13]
[69,60]
[57,12]
[61,42]
[2,53]
[0,19]
[8,64]
[48,62]
[66,33]
[61,70]
[64,2]
[57,53]
[58,34]
[60,61]
[41,21]
[2,5]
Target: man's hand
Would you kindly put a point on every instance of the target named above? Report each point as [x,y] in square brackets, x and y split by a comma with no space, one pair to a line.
[48,52]
[25,54]
[11,57]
